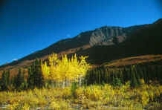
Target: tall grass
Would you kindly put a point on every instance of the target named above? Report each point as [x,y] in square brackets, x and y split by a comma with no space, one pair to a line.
[89,97]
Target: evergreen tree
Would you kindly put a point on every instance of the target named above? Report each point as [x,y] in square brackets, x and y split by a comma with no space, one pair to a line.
[117,82]
[5,80]
[38,76]
[35,76]
[19,80]
[125,74]
[135,81]
[30,79]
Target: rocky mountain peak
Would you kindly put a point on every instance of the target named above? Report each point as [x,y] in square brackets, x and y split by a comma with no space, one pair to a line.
[105,35]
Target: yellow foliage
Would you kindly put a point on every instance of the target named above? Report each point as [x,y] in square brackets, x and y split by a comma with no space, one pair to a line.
[65,68]
[142,81]
[89,96]
[144,97]
[54,105]
[13,106]
[53,59]
[45,70]
[26,106]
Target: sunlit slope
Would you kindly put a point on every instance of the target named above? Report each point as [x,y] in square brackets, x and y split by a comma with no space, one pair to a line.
[144,59]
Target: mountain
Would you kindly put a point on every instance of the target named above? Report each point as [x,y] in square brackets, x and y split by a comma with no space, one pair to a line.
[100,36]
[143,41]
[105,44]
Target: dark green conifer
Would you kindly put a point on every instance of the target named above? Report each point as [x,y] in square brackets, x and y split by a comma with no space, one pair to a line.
[19,80]
[135,81]
[35,76]
[5,80]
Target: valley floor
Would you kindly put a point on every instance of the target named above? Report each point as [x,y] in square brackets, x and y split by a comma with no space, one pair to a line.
[100,97]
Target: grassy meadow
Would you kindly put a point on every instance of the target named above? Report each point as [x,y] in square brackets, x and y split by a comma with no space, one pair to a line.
[100,97]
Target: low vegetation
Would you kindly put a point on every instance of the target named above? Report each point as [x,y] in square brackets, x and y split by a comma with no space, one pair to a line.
[91,97]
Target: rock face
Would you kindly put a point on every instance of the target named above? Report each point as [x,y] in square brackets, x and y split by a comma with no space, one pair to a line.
[105,35]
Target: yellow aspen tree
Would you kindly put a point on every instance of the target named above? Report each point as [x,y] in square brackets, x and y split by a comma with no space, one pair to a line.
[57,74]
[74,67]
[66,69]
[84,66]
[45,70]
[53,59]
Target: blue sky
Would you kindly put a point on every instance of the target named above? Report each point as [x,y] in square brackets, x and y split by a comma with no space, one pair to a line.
[30,25]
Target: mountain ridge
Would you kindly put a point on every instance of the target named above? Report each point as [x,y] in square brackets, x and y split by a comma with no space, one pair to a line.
[103,36]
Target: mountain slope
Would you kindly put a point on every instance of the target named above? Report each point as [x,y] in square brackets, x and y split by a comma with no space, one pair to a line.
[136,60]
[99,44]
[99,36]
[145,41]
[90,38]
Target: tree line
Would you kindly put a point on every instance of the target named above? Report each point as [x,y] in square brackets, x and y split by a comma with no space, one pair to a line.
[65,71]
[118,76]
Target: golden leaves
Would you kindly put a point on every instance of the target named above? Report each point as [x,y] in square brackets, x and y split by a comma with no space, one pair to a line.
[64,68]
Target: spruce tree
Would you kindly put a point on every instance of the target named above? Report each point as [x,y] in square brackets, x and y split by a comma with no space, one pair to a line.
[135,81]
[38,76]
[19,80]
[35,76]
[5,80]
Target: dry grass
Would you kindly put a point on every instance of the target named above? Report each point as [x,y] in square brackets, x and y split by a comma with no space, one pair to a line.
[100,97]
[134,60]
